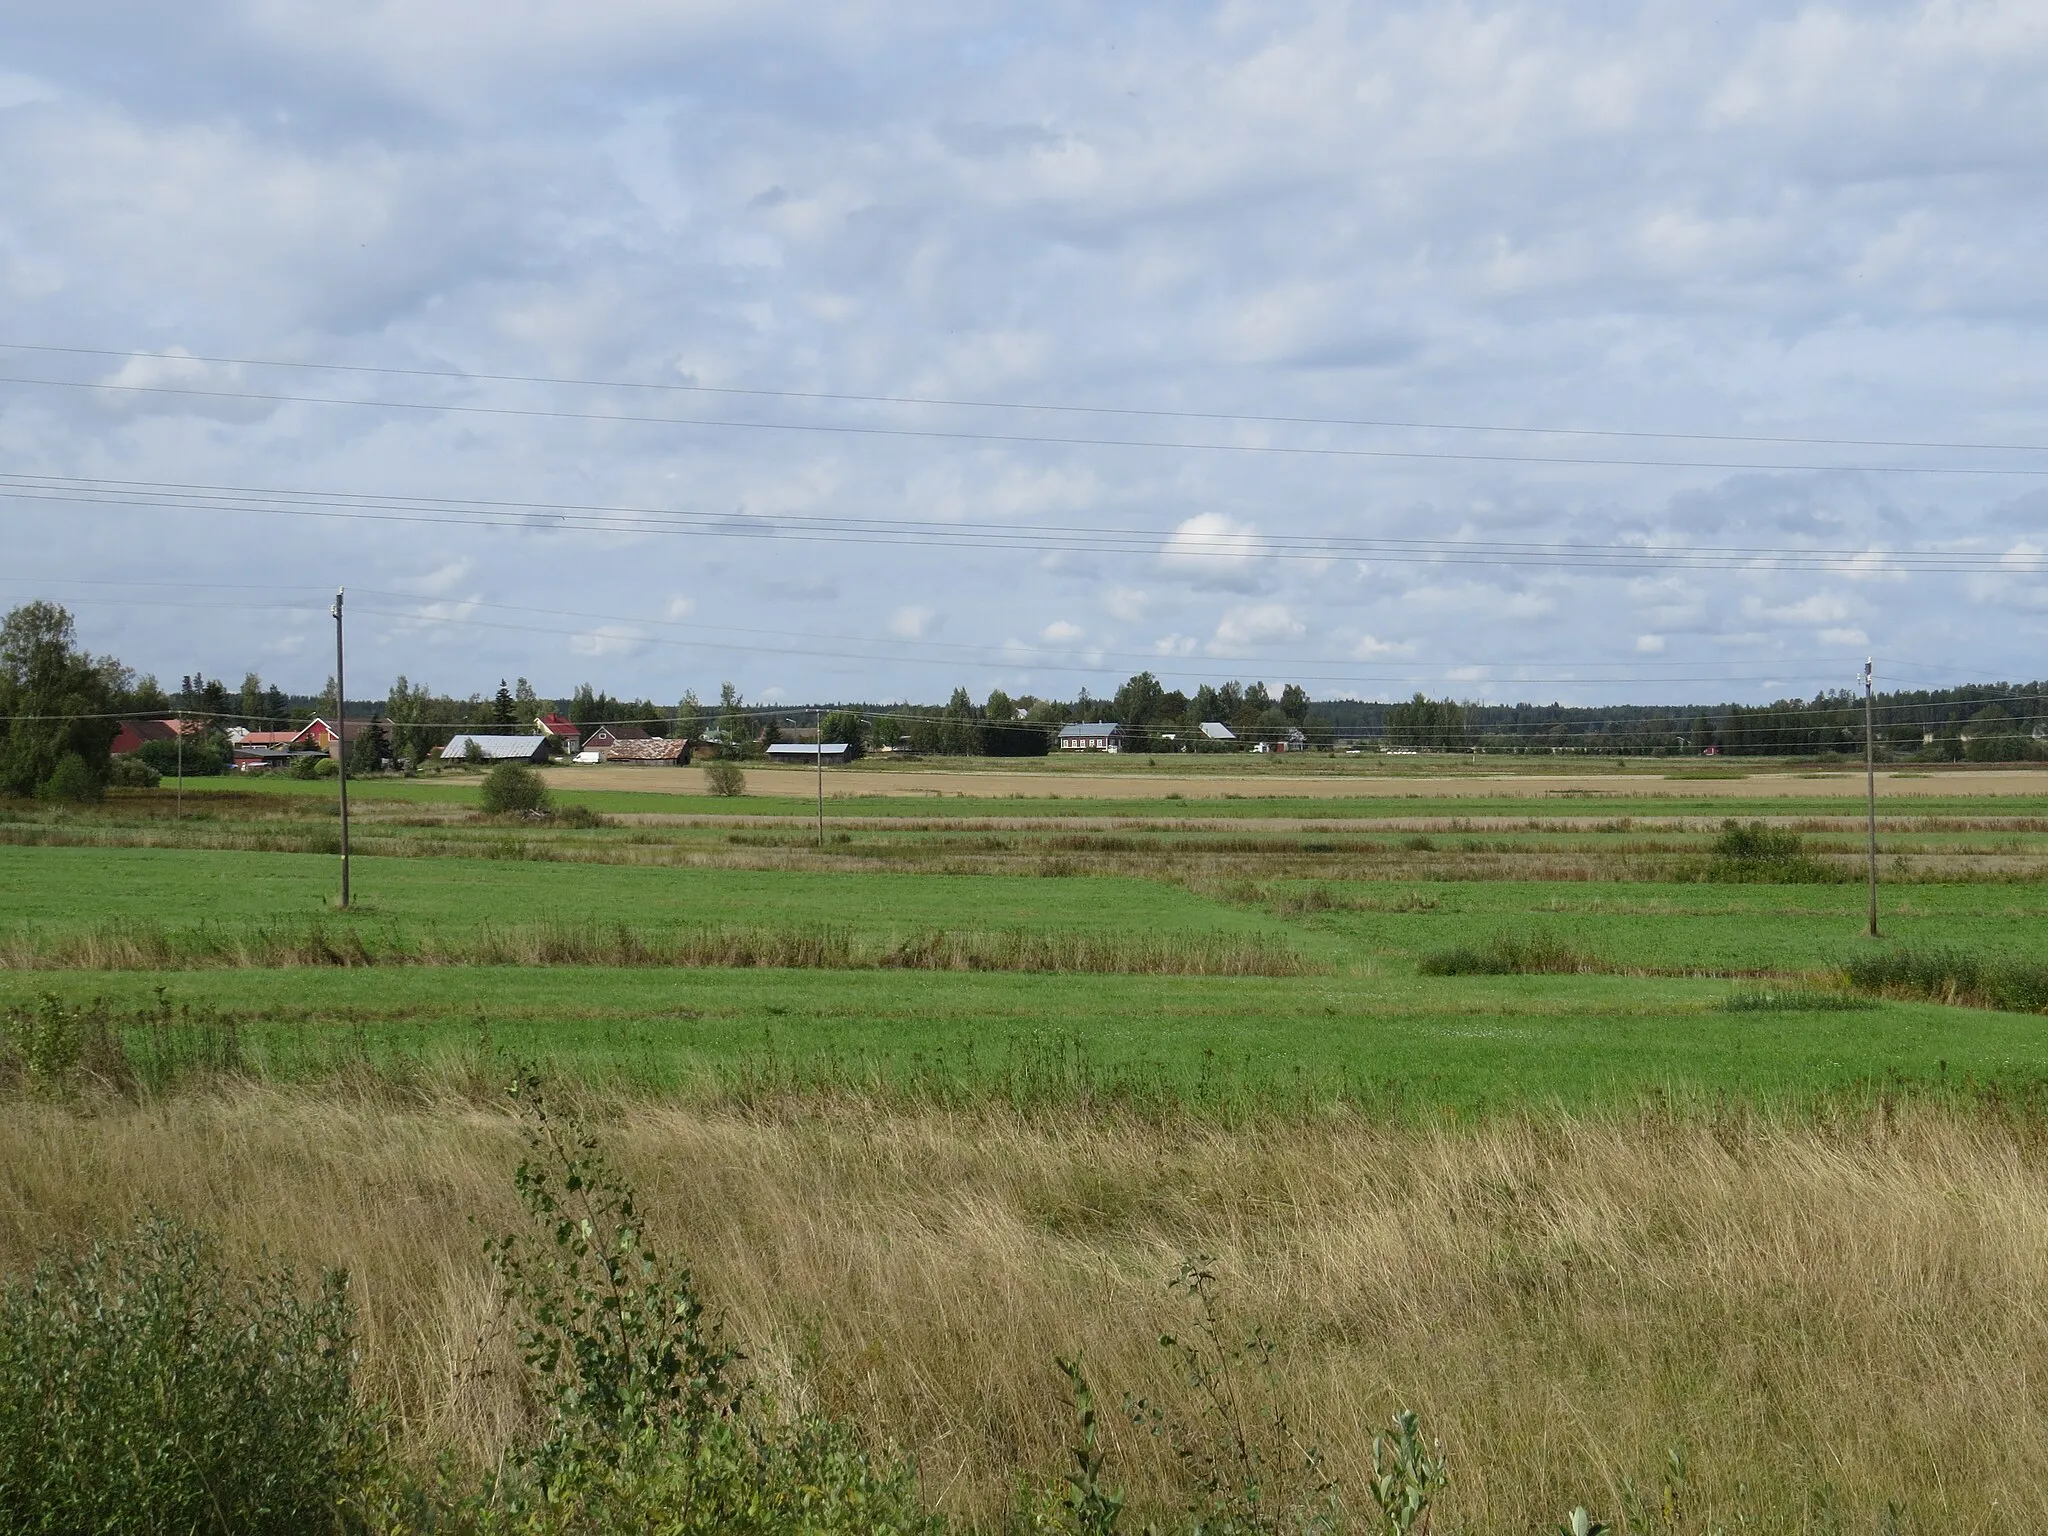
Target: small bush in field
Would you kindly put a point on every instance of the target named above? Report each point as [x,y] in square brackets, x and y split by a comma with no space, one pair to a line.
[71,781]
[651,1422]
[1752,853]
[1509,954]
[142,1390]
[130,772]
[515,788]
[722,776]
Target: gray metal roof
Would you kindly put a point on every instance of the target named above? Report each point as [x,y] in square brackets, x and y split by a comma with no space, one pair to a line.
[495,747]
[805,748]
[1216,730]
[1095,728]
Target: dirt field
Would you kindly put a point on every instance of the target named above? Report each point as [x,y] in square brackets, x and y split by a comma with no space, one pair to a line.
[1064,781]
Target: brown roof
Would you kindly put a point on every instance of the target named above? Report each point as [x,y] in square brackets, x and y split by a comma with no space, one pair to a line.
[649,749]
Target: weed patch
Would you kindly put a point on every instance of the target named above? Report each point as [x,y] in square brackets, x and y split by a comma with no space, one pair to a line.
[1953,976]
[1510,954]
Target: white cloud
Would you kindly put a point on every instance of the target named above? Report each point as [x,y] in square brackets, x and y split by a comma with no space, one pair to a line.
[1215,551]
[1060,632]
[1649,645]
[1175,645]
[607,640]
[1371,648]
[680,608]
[1259,624]
[1126,603]
[1854,637]
[911,623]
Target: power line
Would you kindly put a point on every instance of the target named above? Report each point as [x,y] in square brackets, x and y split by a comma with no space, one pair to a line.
[1042,439]
[1227,546]
[954,403]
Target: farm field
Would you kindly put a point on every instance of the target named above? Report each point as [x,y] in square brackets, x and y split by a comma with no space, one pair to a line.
[1479,1102]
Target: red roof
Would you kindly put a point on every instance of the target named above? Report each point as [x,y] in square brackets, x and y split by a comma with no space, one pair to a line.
[555,725]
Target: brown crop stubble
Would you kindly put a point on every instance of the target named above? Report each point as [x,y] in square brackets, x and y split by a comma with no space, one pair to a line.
[1847,1313]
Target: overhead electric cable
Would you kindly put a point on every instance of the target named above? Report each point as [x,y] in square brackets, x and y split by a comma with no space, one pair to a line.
[1181,544]
[960,435]
[969,403]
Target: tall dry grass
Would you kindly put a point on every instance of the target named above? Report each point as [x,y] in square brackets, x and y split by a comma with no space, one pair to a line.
[160,947]
[1829,1317]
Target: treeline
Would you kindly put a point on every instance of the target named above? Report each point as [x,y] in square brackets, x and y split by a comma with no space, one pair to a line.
[1153,717]
[1986,722]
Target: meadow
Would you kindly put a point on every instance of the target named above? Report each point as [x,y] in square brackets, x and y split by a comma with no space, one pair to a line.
[1532,1109]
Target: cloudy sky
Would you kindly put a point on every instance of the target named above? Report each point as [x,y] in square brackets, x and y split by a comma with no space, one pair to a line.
[863,351]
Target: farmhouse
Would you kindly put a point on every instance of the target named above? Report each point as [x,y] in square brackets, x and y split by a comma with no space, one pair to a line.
[566,733]
[806,752]
[1098,736]
[496,749]
[605,737]
[1216,730]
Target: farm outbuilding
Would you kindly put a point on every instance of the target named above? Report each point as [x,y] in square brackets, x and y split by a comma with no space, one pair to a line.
[497,749]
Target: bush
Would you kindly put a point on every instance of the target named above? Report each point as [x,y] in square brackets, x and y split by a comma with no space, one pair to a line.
[1752,853]
[651,1423]
[722,776]
[1509,954]
[72,781]
[130,772]
[306,767]
[142,1390]
[203,759]
[514,788]
[1954,976]
[326,768]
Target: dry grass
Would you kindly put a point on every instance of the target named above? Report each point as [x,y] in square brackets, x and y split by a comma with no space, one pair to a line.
[154,947]
[1827,1316]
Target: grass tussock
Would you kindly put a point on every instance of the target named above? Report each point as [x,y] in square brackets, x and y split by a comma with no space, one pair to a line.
[1512,954]
[1793,999]
[2017,985]
[155,947]
[1752,853]
[1806,1310]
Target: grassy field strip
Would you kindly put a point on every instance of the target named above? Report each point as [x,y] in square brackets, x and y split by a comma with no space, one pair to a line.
[1821,1315]
[143,947]
[1407,1042]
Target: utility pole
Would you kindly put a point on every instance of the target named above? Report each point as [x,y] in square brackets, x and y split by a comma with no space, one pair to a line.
[341,742]
[1870,782]
[818,720]
[184,689]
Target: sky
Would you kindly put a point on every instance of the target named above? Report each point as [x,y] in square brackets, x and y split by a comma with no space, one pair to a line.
[863,352]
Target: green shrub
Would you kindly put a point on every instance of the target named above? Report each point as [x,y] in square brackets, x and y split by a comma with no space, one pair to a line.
[326,768]
[1509,954]
[143,1390]
[1752,853]
[1954,976]
[203,759]
[581,816]
[130,772]
[514,788]
[722,776]
[651,1424]
[306,767]
[71,782]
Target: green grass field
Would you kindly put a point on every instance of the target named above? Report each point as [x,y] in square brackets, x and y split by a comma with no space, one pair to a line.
[1362,1023]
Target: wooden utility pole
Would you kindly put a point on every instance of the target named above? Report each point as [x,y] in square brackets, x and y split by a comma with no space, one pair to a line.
[1870,782]
[341,741]
[818,720]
